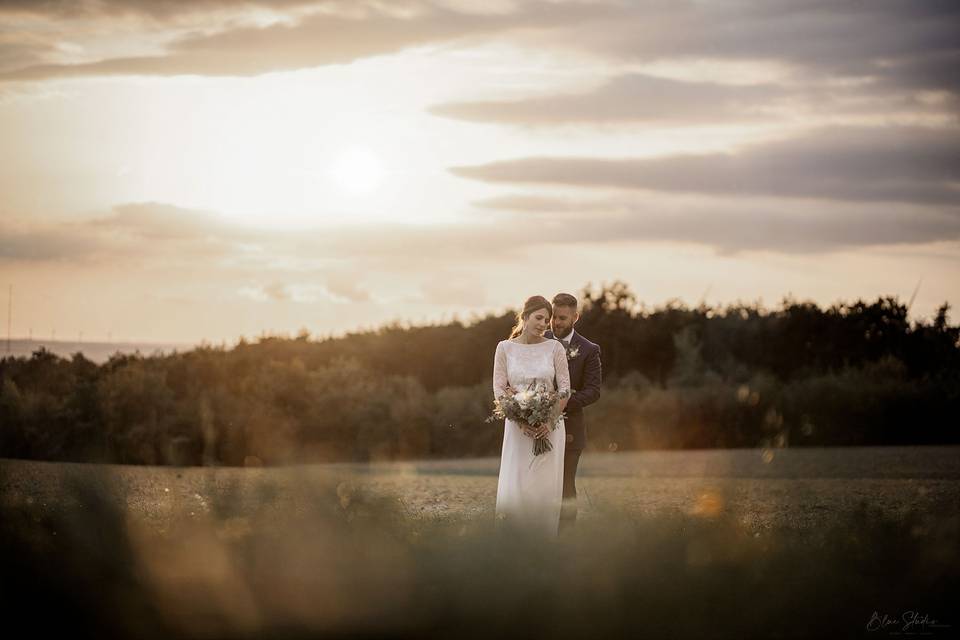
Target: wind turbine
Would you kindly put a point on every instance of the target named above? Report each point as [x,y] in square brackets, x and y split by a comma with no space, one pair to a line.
[9,316]
[914,296]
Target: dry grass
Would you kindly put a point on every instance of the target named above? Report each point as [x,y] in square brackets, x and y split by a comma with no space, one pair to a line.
[302,552]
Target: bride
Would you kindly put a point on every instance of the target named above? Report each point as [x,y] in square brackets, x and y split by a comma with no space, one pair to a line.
[530,487]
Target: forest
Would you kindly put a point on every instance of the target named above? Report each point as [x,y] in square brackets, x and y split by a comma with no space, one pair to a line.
[675,377]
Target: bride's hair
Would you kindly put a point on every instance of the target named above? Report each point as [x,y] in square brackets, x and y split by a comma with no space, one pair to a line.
[533,304]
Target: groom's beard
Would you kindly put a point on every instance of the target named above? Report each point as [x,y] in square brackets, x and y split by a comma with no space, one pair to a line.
[563,335]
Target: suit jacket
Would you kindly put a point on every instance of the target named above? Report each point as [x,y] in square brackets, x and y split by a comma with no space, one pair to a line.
[585,377]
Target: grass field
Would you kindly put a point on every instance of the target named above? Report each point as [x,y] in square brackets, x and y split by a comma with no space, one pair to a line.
[744,543]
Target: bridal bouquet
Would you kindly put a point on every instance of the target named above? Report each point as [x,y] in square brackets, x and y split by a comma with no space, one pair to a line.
[535,405]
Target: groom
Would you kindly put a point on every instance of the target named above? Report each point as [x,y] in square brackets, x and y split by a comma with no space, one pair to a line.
[583,358]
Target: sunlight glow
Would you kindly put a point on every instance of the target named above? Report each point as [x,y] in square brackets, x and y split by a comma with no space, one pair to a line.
[357,170]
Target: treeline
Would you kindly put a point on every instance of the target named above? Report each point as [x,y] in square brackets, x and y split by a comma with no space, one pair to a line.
[674,377]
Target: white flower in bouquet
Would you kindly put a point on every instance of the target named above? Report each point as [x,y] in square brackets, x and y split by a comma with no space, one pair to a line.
[535,405]
[524,398]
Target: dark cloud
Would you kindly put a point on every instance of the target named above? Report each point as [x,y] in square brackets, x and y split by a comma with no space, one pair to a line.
[876,38]
[890,164]
[936,71]
[159,233]
[646,100]
[628,98]
[39,244]
[137,231]
[899,45]
[16,53]
[733,226]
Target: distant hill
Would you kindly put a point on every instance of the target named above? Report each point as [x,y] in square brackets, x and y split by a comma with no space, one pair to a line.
[98,352]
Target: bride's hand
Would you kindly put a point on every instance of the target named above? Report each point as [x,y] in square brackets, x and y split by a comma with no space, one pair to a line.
[542,431]
[528,430]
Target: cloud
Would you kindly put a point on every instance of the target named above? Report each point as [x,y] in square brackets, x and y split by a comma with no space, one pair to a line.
[38,243]
[304,265]
[17,52]
[320,38]
[452,290]
[628,98]
[642,99]
[899,44]
[881,39]
[277,291]
[733,226]
[902,54]
[154,220]
[161,233]
[130,232]
[865,164]
[344,287]
[305,291]
[155,9]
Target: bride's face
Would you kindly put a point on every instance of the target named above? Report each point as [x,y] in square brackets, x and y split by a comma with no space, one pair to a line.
[536,323]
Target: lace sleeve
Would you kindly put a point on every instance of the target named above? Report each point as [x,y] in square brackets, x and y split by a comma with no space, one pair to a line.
[561,369]
[500,371]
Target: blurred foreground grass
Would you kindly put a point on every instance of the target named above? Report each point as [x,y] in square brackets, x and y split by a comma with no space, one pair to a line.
[352,563]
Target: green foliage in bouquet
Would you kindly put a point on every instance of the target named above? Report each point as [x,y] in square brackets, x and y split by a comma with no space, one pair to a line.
[537,404]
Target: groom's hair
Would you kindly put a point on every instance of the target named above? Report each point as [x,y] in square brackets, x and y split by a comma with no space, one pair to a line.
[564,300]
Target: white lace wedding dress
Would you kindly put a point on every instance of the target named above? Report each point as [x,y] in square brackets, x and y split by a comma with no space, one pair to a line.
[530,488]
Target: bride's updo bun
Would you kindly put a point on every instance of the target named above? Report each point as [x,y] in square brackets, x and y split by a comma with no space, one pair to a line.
[532,305]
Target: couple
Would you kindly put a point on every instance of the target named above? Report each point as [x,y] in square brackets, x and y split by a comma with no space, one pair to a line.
[538,491]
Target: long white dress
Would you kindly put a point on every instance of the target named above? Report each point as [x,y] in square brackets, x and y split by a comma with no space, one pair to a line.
[530,488]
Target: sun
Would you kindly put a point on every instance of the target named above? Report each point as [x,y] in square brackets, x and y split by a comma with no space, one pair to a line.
[357,170]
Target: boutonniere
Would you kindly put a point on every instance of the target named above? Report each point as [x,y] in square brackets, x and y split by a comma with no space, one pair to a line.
[572,352]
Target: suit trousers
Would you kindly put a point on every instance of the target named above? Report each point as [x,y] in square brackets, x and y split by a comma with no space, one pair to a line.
[571,458]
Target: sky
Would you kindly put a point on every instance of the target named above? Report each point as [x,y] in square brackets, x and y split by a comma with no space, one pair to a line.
[196,170]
